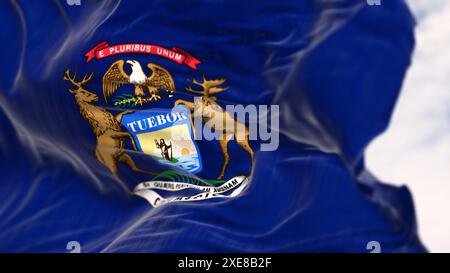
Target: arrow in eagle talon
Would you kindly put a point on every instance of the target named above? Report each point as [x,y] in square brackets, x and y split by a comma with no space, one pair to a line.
[139,101]
[154,97]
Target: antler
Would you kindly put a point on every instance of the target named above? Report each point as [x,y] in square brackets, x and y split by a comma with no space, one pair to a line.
[194,81]
[189,89]
[209,86]
[86,78]
[73,81]
[214,85]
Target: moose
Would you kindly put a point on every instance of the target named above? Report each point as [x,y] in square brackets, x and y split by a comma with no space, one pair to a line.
[110,143]
[206,108]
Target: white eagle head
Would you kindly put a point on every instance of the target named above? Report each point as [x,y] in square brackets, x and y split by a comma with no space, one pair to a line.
[137,74]
[134,64]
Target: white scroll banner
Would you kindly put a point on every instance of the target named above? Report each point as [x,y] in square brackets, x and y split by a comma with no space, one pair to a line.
[147,191]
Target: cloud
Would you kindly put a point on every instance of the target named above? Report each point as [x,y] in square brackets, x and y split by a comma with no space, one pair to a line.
[415,150]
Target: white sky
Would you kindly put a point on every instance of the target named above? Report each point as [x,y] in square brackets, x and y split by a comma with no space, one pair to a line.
[415,150]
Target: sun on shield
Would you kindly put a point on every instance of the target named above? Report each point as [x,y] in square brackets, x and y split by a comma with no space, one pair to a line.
[166,135]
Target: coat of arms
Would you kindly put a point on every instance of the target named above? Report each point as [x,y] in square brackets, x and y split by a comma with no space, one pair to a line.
[165,134]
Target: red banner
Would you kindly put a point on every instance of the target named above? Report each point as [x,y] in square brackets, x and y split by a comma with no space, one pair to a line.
[177,55]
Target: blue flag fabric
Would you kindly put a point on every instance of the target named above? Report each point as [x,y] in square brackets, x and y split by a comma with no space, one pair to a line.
[334,68]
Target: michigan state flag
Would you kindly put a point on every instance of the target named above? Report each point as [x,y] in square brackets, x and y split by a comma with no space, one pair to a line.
[200,126]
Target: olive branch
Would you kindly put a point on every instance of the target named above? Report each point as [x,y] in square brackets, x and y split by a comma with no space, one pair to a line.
[125,101]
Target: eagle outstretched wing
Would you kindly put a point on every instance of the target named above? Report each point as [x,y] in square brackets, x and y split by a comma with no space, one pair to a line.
[114,78]
[160,78]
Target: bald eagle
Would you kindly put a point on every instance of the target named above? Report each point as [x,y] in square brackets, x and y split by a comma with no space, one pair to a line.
[116,77]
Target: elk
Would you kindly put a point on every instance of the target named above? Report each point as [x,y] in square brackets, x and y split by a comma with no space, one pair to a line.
[212,114]
[107,129]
